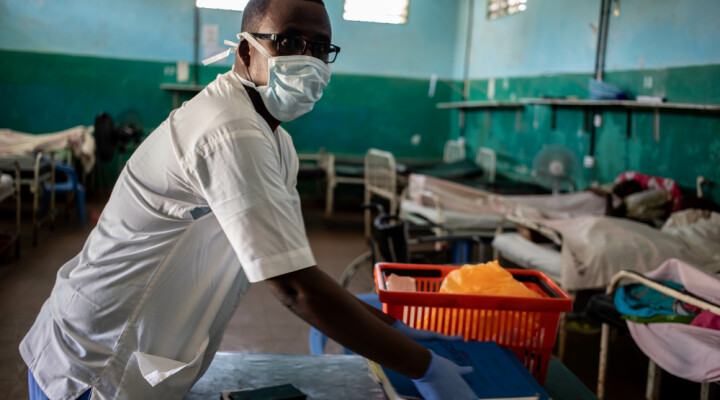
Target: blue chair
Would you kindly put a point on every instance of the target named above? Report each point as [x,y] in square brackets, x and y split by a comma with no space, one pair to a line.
[72,185]
[318,339]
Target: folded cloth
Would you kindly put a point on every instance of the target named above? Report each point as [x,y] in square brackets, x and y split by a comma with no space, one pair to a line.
[638,300]
[706,319]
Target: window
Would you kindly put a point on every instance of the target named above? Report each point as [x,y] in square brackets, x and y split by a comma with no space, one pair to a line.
[501,8]
[386,11]
[237,5]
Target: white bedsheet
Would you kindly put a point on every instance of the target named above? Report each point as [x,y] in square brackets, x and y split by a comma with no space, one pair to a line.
[541,257]
[463,199]
[79,139]
[596,248]
[454,220]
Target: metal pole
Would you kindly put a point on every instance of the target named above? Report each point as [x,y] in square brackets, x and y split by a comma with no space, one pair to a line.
[600,51]
[466,67]
[196,46]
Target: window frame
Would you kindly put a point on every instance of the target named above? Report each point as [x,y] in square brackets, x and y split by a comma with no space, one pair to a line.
[503,8]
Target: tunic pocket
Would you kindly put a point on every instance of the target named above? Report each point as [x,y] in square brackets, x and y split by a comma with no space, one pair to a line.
[156,369]
[152,377]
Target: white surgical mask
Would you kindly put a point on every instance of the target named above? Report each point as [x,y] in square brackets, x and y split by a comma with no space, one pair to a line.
[295,83]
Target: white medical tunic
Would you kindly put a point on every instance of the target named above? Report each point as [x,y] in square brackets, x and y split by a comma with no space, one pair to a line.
[140,312]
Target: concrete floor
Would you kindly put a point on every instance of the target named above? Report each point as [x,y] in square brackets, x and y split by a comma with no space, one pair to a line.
[261,324]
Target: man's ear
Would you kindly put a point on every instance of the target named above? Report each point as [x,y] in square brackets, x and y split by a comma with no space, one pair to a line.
[243,52]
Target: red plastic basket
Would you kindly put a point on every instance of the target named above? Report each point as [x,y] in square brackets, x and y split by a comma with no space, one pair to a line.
[528,326]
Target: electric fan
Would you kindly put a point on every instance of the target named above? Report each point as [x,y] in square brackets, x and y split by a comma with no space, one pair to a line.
[556,164]
[110,138]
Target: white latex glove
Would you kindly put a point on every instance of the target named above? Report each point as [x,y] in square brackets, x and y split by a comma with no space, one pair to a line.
[443,381]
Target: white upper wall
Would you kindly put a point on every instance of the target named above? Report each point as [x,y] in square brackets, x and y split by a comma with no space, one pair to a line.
[162,30]
[560,36]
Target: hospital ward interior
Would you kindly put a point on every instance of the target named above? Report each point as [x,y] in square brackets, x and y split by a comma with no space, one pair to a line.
[527,187]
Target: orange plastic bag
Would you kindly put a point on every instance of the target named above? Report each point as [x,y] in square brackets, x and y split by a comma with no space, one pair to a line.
[506,328]
[488,279]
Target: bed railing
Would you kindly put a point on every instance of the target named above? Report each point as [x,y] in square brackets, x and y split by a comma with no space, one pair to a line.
[326,162]
[487,159]
[380,180]
[653,370]
[454,151]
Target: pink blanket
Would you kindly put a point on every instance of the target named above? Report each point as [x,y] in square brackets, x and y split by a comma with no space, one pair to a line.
[690,352]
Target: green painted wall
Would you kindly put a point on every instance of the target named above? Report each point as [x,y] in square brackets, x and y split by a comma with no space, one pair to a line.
[361,112]
[689,144]
[48,92]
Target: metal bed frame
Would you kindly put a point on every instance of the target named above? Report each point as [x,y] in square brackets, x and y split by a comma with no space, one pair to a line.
[653,381]
[454,151]
[381,174]
[35,184]
[487,159]
[5,194]
[380,180]
[326,162]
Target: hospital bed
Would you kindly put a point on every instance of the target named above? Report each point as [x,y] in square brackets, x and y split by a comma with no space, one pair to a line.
[546,257]
[320,166]
[34,154]
[9,188]
[35,171]
[383,177]
[336,171]
[667,340]
[592,249]
[466,208]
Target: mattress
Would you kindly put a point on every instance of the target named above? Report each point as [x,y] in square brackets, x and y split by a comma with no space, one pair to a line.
[349,169]
[540,257]
[27,167]
[454,220]
[508,187]
[463,169]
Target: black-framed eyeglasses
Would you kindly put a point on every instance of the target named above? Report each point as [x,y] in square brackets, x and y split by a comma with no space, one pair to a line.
[289,45]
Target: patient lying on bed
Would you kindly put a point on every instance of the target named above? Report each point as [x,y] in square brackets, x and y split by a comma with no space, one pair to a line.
[595,248]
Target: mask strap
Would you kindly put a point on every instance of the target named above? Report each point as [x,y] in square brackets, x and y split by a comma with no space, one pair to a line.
[222,55]
[259,47]
[233,48]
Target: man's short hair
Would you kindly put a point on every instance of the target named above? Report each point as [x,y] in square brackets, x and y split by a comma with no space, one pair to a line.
[255,11]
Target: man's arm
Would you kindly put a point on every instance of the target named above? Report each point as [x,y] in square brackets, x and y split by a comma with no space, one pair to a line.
[386,318]
[324,304]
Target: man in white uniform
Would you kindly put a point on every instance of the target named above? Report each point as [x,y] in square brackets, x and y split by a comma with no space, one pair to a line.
[206,205]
